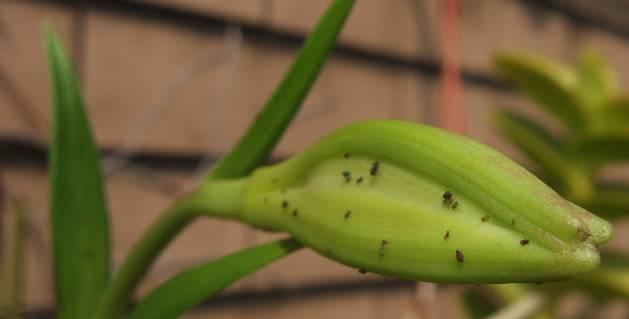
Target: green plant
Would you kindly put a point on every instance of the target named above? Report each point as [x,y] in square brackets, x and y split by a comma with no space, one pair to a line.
[593,134]
[421,195]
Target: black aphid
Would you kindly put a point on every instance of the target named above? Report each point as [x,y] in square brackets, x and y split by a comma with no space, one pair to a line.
[346,155]
[347,214]
[524,242]
[485,218]
[359,180]
[447,195]
[347,175]
[447,202]
[459,256]
[374,168]
[295,212]
[455,205]
[447,235]
[284,204]
[383,244]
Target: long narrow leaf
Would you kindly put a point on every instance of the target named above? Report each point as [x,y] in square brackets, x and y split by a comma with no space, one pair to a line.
[597,81]
[549,84]
[546,152]
[78,213]
[609,201]
[255,146]
[534,141]
[597,150]
[613,116]
[192,286]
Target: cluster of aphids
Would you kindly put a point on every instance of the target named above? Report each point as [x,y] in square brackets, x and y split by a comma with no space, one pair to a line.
[448,201]
[373,171]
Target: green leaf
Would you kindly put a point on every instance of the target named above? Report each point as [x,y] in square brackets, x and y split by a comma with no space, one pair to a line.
[193,286]
[12,263]
[609,201]
[551,85]
[596,150]
[78,213]
[597,81]
[255,146]
[477,304]
[545,150]
[611,279]
[613,116]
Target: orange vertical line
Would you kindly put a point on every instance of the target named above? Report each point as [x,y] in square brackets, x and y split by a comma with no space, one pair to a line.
[451,115]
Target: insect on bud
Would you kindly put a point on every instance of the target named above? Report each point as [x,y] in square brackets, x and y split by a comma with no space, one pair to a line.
[419,183]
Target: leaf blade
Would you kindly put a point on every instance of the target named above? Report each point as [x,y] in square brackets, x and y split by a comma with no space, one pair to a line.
[78,215]
[256,144]
[200,282]
[549,84]
[597,81]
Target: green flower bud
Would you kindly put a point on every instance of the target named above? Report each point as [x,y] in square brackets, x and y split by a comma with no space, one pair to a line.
[421,203]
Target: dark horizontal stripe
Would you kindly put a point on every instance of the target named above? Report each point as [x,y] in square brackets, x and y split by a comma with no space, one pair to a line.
[263,34]
[277,296]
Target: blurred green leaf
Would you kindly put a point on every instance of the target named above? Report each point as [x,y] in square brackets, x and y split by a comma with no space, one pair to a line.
[597,81]
[545,150]
[193,286]
[596,150]
[255,146]
[611,279]
[12,270]
[613,116]
[477,304]
[549,84]
[78,213]
[609,201]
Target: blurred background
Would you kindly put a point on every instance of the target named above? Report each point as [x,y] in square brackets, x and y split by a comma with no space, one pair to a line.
[171,84]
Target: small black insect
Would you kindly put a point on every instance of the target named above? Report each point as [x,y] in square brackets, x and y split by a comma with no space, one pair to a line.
[484,218]
[347,214]
[524,242]
[455,205]
[447,235]
[362,271]
[374,168]
[447,195]
[295,212]
[459,256]
[359,180]
[284,204]
[346,155]
[347,175]
[383,244]
[447,202]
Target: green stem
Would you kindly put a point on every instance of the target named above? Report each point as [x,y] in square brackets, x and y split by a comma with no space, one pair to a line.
[218,198]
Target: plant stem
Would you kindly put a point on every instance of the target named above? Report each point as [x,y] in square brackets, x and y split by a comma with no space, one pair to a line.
[219,198]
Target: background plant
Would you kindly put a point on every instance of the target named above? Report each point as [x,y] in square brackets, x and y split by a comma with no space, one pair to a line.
[592,115]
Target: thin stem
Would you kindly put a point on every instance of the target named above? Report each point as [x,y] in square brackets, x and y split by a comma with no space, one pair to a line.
[214,198]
